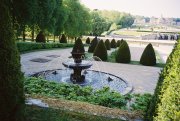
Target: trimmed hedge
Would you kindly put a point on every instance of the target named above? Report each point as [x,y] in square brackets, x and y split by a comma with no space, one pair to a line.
[93,45]
[101,51]
[123,54]
[148,57]
[108,44]
[113,43]
[165,105]
[119,42]
[28,46]
[11,78]
[63,39]
[78,46]
[88,41]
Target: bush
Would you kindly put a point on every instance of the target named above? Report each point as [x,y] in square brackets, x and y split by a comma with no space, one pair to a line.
[41,37]
[11,77]
[113,43]
[123,54]
[63,39]
[88,41]
[119,42]
[28,46]
[101,51]
[148,57]
[93,44]
[164,104]
[78,46]
[108,44]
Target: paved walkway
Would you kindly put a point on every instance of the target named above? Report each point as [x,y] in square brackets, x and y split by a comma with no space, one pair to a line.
[142,78]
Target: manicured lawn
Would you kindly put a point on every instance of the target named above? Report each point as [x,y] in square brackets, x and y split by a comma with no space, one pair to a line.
[131,33]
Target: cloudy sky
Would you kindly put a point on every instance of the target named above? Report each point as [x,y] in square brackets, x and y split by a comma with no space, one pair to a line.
[166,8]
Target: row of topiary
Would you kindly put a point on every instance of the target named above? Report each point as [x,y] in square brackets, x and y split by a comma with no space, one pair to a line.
[42,39]
[123,55]
[165,104]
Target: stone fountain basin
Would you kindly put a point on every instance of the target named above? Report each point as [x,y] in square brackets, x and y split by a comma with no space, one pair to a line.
[82,65]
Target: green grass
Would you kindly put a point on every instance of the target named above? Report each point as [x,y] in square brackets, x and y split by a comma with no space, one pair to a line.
[33,113]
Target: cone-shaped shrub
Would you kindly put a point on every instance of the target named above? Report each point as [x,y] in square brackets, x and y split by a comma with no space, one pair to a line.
[78,46]
[119,42]
[93,45]
[148,57]
[108,44]
[113,43]
[41,37]
[123,54]
[101,51]
[88,41]
[11,77]
[63,39]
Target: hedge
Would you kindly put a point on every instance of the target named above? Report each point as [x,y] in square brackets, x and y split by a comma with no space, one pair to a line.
[93,45]
[28,46]
[113,43]
[108,44]
[165,105]
[11,78]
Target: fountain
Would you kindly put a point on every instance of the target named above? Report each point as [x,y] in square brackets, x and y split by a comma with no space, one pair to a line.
[77,73]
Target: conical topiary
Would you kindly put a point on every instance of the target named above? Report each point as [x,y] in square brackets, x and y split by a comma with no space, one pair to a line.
[93,44]
[63,39]
[11,78]
[113,43]
[78,46]
[88,41]
[101,51]
[123,54]
[41,37]
[148,57]
[108,44]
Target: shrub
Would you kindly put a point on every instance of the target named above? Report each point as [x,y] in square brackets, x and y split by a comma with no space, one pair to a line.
[41,37]
[123,54]
[63,39]
[88,41]
[164,104]
[119,42]
[28,46]
[11,77]
[108,44]
[113,43]
[148,57]
[101,51]
[78,46]
[93,45]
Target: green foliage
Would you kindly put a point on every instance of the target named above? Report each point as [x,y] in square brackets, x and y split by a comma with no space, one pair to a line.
[113,43]
[78,46]
[88,41]
[105,97]
[126,21]
[63,39]
[165,102]
[148,57]
[119,42]
[28,46]
[101,51]
[11,77]
[108,44]
[93,45]
[123,54]
[141,101]
[41,37]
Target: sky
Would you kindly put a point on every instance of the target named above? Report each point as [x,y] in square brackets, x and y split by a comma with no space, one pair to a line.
[149,8]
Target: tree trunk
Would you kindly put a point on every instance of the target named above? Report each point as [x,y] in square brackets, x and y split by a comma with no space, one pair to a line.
[32,33]
[54,38]
[24,35]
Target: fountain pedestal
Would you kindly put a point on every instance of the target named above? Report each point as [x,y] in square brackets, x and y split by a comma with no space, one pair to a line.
[78,65]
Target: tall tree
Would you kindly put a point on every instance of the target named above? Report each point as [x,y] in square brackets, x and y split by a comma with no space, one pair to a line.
[11,77]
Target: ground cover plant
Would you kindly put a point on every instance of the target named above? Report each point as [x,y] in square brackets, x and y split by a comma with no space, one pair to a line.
[104,97]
